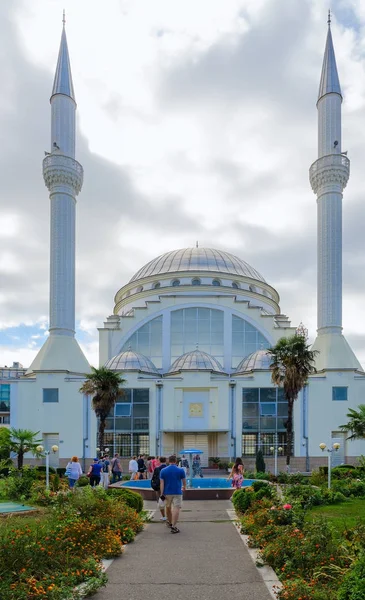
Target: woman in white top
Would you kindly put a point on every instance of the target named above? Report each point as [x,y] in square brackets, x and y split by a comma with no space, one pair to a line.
[73,471]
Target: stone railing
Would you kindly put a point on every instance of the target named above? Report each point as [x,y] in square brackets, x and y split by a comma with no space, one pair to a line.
[329,169]
[62,170]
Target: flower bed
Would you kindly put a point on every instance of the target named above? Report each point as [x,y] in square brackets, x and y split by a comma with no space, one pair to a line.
[50,555]
[311,558]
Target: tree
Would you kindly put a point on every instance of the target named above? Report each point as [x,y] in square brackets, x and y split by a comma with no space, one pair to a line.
[291,362]
[260,463]
[23,441]
[103,385]
[5,444]
[356,424]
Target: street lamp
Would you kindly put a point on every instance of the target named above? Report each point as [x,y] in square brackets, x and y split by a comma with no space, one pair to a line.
[275,449]
[54,449]
[335,447]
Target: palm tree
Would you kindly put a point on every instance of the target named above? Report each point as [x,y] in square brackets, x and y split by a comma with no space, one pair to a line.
[292,363]
[104,387]
[356,424]
[22,441]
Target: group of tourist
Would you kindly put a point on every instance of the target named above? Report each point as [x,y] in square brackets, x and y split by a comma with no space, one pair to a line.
[102,471]
[169,483]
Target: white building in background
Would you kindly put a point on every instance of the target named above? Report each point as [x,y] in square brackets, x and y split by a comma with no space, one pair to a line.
[189,330]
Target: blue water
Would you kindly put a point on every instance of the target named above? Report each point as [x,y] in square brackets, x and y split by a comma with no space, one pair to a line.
[206,482]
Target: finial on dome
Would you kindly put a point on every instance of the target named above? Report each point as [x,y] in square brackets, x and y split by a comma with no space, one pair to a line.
[329,18]
[197,244]
[301,331]
[64,18]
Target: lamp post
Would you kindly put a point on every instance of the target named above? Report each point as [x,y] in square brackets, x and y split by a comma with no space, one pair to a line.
[275,449]
[54,449]
[335,447]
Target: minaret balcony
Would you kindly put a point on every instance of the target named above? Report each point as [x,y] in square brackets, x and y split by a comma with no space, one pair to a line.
[61,170]
[332,169]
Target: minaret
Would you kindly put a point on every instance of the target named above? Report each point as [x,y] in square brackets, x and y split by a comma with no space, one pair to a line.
[328,177]
[63,176]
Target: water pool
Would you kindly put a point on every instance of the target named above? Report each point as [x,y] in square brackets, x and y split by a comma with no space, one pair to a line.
[196,484]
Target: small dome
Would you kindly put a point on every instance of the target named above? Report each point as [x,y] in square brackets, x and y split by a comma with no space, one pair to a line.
[131,361]
[259,360]
[198,259]
[196,360]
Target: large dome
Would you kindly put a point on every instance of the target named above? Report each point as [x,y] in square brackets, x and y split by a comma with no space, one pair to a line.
[197,259]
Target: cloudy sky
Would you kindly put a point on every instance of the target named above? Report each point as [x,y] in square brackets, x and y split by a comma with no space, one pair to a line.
[196,121]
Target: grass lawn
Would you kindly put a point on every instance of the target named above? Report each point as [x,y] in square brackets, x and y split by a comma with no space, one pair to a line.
[341,516]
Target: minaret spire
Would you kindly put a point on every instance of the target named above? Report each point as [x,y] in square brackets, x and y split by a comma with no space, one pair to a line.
[328,176]
[63,176]
[329,82]
[62,83]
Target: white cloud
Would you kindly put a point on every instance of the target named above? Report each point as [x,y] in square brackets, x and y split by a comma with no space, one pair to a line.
[201,110]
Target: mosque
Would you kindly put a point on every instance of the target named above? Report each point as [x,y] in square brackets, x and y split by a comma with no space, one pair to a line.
[189,331]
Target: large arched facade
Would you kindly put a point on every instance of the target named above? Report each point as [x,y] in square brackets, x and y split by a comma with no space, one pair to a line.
[191,303]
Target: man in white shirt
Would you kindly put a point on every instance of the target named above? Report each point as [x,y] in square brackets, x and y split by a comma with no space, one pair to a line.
[133,468]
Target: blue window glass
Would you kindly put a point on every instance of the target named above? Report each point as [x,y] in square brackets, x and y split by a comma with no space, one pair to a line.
[50,395]
[268,409]
[339,393]
[123,410]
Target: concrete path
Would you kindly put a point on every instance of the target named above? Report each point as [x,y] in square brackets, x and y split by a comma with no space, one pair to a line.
[205,561]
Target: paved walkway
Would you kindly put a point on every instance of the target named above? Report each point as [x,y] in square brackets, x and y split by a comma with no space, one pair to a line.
[205,561]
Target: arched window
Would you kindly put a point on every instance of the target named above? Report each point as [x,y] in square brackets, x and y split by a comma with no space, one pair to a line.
[216,282]
[139,289]
[148,341]
[245,340]
[235,285]
[175,282]
[156,285]
[202,326]
[195,281]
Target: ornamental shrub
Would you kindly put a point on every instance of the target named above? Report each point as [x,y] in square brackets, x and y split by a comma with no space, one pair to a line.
[353,585]
[83,481]
[132,499]
[242,499]
[306,495]
[258,485]
[305,590]
[260,463]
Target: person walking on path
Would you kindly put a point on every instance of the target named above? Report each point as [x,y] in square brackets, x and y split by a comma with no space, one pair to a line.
[142,469]
[116,467]
[94,472]
[237,474]
[73,472]
[155,485]
[172,485]
[105,472]
[133,468]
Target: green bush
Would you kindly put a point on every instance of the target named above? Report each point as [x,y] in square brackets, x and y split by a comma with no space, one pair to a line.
[264,476]
[282,477]
[353,585]
[61,471]
[18,484]
[306,495]
[242,499]
[332,497]
[83,481]
[258,485]
[42,469]
[132,499]
[317,478]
